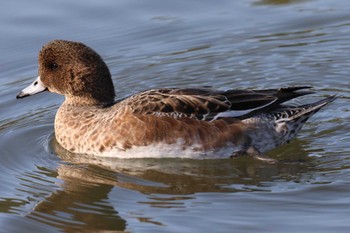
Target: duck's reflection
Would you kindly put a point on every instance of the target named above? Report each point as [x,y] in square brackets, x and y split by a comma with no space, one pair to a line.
[81,206]
[185,176]
[87,182]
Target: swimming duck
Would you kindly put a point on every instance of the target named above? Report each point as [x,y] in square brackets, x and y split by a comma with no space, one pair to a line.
[165,122]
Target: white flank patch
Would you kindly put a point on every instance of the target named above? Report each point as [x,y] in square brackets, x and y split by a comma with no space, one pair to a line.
[175,150]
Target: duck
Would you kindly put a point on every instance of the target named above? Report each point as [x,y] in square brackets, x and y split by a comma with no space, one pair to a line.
[196,123]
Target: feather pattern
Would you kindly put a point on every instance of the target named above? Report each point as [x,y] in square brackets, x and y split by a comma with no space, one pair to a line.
[209,104]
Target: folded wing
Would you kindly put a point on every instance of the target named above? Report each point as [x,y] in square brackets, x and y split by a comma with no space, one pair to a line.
[208,104]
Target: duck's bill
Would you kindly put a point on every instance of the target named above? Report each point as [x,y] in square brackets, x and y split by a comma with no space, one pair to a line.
[36,87]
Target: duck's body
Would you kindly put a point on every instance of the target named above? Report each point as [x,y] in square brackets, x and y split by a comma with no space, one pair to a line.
[117,131]
[194,123]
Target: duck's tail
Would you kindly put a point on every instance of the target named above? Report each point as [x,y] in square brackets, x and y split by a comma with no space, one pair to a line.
[290,114]
[290,120]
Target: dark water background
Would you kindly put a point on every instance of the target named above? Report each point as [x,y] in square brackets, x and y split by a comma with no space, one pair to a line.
[155,43]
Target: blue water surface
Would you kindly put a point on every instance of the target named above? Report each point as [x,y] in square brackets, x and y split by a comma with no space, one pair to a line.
[154,43]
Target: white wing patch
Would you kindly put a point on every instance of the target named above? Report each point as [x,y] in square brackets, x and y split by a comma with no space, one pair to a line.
[237,113]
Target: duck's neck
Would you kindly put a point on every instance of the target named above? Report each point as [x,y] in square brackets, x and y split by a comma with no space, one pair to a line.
[88,102]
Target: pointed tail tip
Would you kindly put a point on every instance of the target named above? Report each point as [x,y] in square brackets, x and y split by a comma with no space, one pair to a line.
[328,99]
[332,97]
[323,102]
[310,109]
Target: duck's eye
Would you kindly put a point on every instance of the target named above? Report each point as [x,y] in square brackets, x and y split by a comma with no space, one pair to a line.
[53,66]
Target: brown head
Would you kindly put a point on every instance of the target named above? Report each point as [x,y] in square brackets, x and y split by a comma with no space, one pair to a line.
[74,70]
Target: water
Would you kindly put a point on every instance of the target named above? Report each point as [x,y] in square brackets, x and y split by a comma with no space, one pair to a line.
[225,44]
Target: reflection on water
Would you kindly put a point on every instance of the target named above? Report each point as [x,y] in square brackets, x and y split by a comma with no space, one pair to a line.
[183,176]
[82,203]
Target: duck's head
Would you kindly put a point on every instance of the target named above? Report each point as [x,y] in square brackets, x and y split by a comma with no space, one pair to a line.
[74,70]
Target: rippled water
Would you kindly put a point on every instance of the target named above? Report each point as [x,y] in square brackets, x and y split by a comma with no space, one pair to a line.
[225,44]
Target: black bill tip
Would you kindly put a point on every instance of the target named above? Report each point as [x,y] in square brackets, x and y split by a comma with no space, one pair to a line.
[21,95]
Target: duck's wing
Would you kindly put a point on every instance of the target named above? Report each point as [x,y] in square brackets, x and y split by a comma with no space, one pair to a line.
[208,104]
